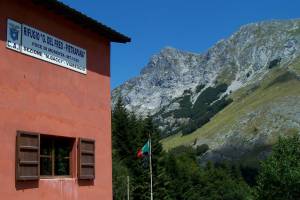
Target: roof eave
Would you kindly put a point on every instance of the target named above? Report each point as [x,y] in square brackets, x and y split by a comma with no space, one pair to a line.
[83,20]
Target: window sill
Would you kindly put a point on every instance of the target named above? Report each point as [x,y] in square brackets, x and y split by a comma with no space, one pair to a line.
[57,178]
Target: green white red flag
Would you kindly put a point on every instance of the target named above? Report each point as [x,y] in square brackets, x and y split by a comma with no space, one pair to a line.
[144,151]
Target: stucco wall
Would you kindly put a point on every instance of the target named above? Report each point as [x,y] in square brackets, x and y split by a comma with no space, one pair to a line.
[42,97]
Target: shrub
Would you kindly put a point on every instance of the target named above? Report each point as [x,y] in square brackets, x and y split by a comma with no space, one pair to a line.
[199,88]
[279,177]
[274,63]
[201,149]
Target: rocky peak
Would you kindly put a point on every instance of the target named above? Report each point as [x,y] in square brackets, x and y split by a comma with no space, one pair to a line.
[168,59]
[241,59]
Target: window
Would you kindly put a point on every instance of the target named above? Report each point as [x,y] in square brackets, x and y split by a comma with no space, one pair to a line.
[55,156]
[39,155]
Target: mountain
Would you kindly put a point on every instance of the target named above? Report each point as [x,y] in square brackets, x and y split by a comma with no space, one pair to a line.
[241,94]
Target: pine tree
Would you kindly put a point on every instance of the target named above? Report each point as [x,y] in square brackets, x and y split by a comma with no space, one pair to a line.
[120,131]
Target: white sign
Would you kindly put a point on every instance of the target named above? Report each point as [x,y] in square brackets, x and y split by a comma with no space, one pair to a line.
[41,45]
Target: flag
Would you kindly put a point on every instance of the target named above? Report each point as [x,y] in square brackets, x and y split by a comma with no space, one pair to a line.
[144,151]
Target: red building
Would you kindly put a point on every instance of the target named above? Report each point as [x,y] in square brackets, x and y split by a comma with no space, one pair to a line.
[55,112]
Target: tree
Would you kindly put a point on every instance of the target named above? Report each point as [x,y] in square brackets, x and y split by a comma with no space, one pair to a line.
[129,134]
[176,174]
[279,177]
[120,173]
[190,181]
[184,172]
[223,183]
[120,131]
[140,167]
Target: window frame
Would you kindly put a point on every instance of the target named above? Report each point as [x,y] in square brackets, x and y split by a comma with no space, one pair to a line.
[54,138]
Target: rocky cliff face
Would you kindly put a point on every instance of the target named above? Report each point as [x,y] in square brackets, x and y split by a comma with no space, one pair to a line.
[174,83]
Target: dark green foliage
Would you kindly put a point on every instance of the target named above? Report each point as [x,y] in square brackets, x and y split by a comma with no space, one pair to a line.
[223,183]
[182,167]
[201,149]
[120,131]
[274,63]
[279,177]
[206,98]
[176,174]
[199,88]
[205,113]
[250,174]
[191,182]
[129,134]
[185,107]
[120,173]
[205,107]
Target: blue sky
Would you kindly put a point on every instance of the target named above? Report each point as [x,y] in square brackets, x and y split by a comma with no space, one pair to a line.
[191,25]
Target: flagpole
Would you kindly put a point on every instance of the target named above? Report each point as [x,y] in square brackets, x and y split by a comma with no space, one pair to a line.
[150,163]
[128,190]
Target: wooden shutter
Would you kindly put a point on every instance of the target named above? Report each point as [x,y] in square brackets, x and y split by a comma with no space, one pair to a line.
[27,156]
[86,159]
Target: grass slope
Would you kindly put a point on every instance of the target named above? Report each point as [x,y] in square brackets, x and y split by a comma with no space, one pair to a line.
[277,84]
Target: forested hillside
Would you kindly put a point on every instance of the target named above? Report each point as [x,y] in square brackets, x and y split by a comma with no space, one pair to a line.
[178,175]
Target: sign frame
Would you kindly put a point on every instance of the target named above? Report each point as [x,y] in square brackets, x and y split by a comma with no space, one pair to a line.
[41,45]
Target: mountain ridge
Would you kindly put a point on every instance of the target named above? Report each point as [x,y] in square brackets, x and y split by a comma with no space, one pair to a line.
[243,58]
[236,98]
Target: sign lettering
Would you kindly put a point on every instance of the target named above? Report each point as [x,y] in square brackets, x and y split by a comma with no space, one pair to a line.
[38,44]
